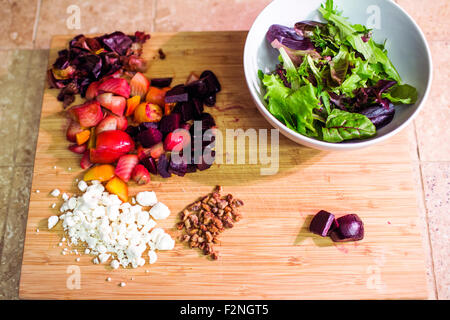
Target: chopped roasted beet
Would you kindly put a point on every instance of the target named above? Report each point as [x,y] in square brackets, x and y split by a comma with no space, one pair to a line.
[198,88]
[207,121]
[211,80]
[322,223]
[147,125]
[350,228]
[178,166]
[161,82]
[132,131]
[163,166]
[201,162]
[170,122]
[177,94]
[191,168]
[186,109]
[150,164]
[150,137]
[210,101]
[198,107]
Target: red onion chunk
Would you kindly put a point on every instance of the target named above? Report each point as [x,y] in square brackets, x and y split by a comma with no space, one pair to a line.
[322,223]
[350,228]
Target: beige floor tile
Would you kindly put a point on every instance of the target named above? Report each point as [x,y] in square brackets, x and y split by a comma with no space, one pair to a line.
[6,175]
[207,15]
[13,238]
[432,123]
[433,16]
[17,23]
[95,17]
[30,116]
[13,74]
[436,177]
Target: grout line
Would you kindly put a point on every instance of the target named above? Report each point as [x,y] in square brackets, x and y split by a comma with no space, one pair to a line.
[422,188]
[36,23]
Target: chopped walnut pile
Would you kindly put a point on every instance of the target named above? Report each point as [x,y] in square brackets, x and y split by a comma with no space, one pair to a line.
[206,218]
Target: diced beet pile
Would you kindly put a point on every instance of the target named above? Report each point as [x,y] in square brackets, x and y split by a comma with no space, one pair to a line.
[130,126]
[346,228]
[90,59]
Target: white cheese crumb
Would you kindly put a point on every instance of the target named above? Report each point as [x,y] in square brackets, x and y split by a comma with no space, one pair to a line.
[82,185]
[146,198]
[70,169]
[96,261]
[52,221]
[53,205]
[37,230]
[103,257]
[165,242]
[115,264]
[152,257]
[123,284]
[55,192]
[65,196]
[160,211]
[54,167]
[77,259]
[108,279]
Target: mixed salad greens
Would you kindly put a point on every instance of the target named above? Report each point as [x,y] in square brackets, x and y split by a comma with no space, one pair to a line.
[334,82]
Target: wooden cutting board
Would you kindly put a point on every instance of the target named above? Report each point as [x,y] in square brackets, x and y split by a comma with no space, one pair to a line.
[269,254]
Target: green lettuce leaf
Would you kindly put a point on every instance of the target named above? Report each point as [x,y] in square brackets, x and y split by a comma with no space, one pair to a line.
[402,94]
[301,104]
[276,94]
[342,125]
[339,65]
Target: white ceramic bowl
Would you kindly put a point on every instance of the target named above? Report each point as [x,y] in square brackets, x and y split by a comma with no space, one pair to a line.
[406,46]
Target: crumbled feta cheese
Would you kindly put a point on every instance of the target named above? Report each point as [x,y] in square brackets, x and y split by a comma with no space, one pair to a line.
[52,221]
[77,259]
[115,264]
[165,242]
[103,257]
[108,279]
[160,211]
[37,191]
[108,227]
[65,196]
[82,185]
[37,230]
[123,284]
[53,205]
[152,257]
[146,198]
[55,192]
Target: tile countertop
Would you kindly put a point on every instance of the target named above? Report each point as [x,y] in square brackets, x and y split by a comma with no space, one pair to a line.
[29,24]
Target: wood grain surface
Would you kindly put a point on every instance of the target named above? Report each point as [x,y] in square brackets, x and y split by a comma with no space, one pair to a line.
[269,254]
